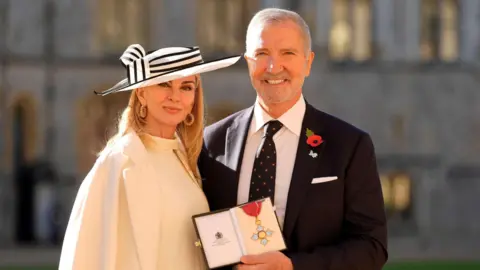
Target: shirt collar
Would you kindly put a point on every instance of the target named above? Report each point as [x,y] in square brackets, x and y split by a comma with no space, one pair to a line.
[292,119]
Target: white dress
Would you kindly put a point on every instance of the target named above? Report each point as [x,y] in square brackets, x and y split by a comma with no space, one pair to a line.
[181,198]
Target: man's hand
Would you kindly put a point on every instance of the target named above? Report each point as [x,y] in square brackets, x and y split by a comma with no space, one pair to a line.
[266,261]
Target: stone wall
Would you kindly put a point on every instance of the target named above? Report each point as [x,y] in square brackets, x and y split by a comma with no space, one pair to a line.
[424,119]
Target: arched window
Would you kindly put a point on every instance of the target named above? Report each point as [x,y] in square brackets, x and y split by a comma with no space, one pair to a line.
[97,119]
[21,142]
[21,133]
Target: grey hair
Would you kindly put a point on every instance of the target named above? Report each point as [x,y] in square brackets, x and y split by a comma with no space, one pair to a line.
[274,15]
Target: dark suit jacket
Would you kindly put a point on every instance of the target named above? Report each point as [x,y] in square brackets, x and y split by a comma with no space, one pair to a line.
[337,225]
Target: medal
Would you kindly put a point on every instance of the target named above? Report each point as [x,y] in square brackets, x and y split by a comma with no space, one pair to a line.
[253,209]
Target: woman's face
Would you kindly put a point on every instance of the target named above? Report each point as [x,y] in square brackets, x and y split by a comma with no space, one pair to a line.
[168,103]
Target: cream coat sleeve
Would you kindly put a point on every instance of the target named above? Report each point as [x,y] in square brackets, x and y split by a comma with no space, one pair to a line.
[91,236]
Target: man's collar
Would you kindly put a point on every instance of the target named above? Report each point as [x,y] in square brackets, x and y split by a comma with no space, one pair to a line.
[292,119]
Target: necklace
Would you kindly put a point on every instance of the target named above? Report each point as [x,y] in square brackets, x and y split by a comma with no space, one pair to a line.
[253,209]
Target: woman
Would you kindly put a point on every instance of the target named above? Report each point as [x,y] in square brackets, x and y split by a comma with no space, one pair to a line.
[133,210]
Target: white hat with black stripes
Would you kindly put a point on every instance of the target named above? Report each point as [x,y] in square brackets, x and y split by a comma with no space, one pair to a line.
[163,65]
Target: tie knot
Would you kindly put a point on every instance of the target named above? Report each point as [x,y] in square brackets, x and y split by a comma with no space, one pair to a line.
[273,127]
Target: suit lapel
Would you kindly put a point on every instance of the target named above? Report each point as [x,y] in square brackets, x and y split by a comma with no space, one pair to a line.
[235,144]
[306,165]
[144,207]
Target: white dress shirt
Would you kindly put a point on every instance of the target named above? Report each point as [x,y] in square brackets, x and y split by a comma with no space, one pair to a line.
[286,143]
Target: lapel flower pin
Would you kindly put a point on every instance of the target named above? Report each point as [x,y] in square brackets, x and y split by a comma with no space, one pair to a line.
[313,140]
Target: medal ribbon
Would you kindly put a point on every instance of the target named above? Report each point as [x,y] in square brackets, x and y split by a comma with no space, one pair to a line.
[252,209]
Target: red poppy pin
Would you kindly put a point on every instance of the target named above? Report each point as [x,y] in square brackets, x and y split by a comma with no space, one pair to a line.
[313,140]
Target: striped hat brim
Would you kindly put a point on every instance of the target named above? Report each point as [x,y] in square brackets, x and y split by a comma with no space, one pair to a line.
[198,68]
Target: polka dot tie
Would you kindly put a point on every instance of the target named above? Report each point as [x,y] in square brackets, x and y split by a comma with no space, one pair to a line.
[262,184]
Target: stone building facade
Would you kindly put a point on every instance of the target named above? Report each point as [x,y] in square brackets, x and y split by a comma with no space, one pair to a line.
[407,72]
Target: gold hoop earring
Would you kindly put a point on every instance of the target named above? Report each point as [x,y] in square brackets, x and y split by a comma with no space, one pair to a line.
[189,119]
[143,111]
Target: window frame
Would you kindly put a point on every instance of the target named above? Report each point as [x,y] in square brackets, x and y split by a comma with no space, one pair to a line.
[135,29]
[348,27]
[439,34]
[212,37]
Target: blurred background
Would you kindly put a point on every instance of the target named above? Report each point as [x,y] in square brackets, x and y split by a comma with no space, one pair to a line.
[406,71]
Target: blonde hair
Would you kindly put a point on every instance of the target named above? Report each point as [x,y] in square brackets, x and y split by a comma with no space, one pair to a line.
[191,136]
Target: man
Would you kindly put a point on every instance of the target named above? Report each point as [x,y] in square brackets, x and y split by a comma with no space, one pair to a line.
[324,181]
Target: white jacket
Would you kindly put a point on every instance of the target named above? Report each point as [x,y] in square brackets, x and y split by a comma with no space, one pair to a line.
[115,220]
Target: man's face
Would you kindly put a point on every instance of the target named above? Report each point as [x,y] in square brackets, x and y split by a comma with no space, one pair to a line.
[278,62]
